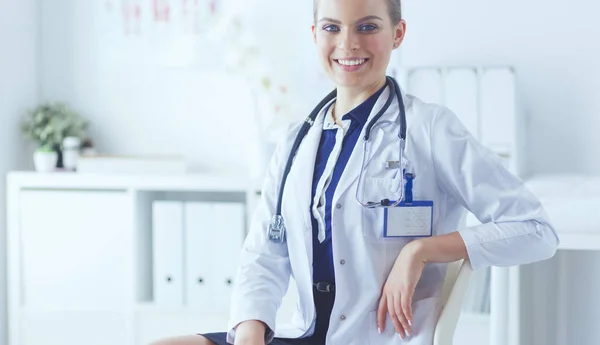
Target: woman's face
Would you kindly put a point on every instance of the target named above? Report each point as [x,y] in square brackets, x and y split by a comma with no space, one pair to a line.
[355,39]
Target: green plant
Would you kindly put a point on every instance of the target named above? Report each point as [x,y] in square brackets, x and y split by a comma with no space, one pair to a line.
[45,148]
[49,123]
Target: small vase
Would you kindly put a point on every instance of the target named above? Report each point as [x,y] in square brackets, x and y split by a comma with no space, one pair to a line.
[45,161]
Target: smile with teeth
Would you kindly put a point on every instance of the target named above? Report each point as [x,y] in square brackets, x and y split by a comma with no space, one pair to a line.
[353,62]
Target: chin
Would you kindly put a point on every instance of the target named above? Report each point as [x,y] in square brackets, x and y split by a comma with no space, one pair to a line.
[351,81]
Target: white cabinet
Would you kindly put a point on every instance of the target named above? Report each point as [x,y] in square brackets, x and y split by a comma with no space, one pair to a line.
[75,250]
[75,268]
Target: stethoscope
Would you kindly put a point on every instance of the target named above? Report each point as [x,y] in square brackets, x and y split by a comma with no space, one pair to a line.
[276,230]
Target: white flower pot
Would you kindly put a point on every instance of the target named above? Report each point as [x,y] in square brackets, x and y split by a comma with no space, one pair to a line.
[45,161]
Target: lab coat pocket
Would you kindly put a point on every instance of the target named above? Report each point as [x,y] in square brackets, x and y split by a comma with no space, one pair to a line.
[376,189]
[425,315]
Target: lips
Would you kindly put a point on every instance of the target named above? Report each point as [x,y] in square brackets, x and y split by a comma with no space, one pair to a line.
[351,61]
[350,64]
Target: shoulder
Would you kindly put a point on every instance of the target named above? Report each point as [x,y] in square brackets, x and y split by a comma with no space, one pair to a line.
[290,132]
[286,135]
[424,113]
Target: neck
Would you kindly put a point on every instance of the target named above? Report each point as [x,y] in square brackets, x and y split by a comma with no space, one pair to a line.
[349,98]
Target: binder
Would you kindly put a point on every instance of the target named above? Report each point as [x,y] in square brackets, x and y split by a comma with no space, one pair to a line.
[498,111]
[167,245]
[200,251]
[461,93]
[426,84]
[214,234]
[230,226]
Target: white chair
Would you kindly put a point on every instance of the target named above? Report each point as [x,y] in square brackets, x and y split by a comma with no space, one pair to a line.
[456,283]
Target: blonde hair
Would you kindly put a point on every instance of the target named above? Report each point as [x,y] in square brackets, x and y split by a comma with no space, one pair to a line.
[394,9]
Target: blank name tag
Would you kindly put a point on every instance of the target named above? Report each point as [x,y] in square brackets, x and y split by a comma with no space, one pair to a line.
[409,220]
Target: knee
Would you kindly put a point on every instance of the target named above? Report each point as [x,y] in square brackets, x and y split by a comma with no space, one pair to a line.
[166,341]
[187,340]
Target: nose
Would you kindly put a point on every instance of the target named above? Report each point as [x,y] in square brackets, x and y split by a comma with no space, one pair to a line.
[348,40]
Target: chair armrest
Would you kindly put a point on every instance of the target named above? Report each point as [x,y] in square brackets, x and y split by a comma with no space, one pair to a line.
[446,325]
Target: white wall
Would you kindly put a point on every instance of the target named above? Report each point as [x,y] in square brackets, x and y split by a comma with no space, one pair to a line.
[143,101]
[172,110]
[18,91]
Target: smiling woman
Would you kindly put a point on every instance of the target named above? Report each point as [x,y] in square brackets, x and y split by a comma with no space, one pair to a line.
[381,279]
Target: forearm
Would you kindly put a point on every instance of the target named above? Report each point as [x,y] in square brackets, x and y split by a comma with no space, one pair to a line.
[440,249]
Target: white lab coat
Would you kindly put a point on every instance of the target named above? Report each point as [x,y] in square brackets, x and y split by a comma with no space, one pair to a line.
[451,168]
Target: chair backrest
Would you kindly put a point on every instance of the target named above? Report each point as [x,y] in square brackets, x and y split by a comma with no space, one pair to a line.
[456,283]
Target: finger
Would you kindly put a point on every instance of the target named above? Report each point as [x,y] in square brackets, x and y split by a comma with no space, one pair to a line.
[400,314]
[381,311]
[407,308]
[392,311]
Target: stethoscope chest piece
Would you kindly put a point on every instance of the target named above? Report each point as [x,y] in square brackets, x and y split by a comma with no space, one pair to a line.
[276,231]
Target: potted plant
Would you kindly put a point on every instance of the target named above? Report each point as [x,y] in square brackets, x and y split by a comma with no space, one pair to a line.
[45,159]
[47,125]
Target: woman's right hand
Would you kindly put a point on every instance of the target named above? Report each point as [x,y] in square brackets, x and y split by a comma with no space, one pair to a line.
[250,332]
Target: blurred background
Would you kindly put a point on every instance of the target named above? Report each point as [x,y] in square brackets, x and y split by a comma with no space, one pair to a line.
[186,95]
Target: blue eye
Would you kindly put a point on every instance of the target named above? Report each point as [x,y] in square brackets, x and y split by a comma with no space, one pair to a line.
[367,27]
[331,28]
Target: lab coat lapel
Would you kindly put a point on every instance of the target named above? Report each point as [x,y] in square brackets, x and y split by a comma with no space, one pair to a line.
[354,165]
[298,189]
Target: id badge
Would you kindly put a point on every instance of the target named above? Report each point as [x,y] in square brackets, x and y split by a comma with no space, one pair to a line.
[413,219]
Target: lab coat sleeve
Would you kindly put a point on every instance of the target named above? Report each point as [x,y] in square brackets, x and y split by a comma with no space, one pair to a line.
[264,271]
[515,229]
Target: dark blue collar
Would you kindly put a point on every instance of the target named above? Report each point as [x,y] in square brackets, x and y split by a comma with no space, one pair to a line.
[361,112]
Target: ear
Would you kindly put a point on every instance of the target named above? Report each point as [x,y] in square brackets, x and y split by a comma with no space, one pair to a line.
[399,33]
[314,32]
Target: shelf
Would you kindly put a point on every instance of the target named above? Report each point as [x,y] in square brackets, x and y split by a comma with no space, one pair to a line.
[184,182]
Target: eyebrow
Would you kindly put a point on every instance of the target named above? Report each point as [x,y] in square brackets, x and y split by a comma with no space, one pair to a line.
[335,21]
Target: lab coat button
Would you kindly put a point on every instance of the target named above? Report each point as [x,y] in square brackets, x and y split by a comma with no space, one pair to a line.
[343,262]
[343,317]
[338,206]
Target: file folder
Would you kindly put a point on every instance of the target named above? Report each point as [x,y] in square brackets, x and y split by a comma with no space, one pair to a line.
[461,96]
[214,233]
[229,219]
[426,84]
[498,112]
[200,255]
[167,243]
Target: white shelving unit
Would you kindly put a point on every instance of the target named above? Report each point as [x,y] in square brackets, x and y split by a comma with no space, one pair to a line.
[80,262]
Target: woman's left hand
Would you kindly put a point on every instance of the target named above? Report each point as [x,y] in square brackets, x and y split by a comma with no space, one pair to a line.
[398,291]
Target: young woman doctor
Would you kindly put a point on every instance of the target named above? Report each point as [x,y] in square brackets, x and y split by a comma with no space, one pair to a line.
[373,275]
